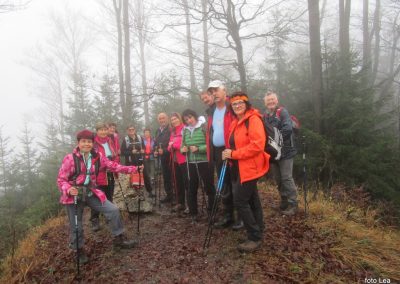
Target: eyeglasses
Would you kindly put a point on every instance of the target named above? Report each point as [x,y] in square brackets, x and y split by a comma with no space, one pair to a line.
[237,104]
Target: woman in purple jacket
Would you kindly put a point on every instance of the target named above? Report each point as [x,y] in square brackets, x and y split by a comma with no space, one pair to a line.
[77,177]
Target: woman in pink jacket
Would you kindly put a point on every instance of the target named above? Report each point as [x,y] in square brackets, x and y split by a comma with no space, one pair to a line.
[77,177]
[178,161]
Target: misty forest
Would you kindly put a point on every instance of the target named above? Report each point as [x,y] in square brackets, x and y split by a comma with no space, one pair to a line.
[335,65]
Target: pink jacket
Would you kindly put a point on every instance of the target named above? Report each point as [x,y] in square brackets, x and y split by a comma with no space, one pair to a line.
[176,138]
[67,170]
[102,176]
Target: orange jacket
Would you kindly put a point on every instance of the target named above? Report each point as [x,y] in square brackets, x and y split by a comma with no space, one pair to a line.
[249,143]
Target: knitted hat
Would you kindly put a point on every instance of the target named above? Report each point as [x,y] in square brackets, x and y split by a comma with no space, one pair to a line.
[85,134]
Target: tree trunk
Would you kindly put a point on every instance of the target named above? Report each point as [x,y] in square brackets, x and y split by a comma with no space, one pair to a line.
[127,61]
[366,45]
[117,9]
[233,28]
[344,36]
[140,23]
[206,56]
[190,51]
[316,62]
[377,48]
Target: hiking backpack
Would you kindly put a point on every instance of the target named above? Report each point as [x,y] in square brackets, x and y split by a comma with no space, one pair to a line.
[78,170]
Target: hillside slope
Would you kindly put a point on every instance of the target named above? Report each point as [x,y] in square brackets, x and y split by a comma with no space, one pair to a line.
[326,247]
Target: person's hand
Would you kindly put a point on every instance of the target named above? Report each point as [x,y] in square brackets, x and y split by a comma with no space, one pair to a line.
[184,149]
[170,144]
[193,149]
[73,191]
[226,154]
[134,151]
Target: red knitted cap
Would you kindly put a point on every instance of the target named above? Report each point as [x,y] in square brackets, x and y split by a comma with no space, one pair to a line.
[85,134]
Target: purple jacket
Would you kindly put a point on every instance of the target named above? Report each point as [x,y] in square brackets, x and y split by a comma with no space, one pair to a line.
[67,170]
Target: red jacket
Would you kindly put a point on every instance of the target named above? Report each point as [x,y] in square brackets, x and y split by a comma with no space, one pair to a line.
[249,144]
[228,118]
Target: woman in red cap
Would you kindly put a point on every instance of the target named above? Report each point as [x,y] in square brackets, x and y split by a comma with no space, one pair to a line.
[77,177]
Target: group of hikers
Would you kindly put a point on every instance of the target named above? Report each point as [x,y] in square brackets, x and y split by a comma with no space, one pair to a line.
[189,149]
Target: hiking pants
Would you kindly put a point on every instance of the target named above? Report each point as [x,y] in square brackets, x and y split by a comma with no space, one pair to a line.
[226,193]
[180,183]
[148,174]
[109,209]
[248,204]
[166,172]
[108,191]
[206,176]
[283,170]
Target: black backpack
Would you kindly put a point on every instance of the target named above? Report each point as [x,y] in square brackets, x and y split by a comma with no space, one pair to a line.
[78,170]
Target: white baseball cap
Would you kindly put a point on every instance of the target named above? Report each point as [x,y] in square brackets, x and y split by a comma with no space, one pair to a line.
[215,84]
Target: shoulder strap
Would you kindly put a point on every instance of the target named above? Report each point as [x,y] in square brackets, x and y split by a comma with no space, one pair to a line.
[97,166]
[77,167]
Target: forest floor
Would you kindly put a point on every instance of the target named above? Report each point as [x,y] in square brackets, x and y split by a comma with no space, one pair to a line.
[295,250]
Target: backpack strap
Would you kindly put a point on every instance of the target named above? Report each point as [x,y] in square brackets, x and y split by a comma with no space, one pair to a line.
[77,168]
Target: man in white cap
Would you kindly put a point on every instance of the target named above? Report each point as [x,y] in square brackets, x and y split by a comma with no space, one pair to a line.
[219,121]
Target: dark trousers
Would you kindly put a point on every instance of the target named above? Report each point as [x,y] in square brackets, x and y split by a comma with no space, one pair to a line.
[205,173]
[226,193]
[166,172]
[180,183]
[148,174]
[248,204]
[108,191]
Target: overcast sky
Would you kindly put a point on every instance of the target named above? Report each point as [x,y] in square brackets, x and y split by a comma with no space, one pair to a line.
[20,32]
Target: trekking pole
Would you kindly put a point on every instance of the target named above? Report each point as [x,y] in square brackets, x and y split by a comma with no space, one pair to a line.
[139,200]
[201,185]
[76,235]
[159,176]
[305,177]
[215,206]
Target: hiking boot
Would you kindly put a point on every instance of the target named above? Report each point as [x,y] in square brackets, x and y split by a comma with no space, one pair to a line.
[177,208]
[167,199]
[223,223]
[95,225]
[120,242]
[83,258]
[283,205]
[237,225]
[249,246]
[290,210]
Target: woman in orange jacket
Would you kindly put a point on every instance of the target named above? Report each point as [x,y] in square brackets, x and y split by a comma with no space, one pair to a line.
[248,163]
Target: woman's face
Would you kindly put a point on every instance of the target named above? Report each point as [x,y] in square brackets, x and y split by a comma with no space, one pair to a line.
[239,107]
[190,120]
[147,134]
[175,121]
[85,145]
[102,132]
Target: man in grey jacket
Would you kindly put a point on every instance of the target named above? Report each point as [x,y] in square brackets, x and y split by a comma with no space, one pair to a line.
[283,168]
